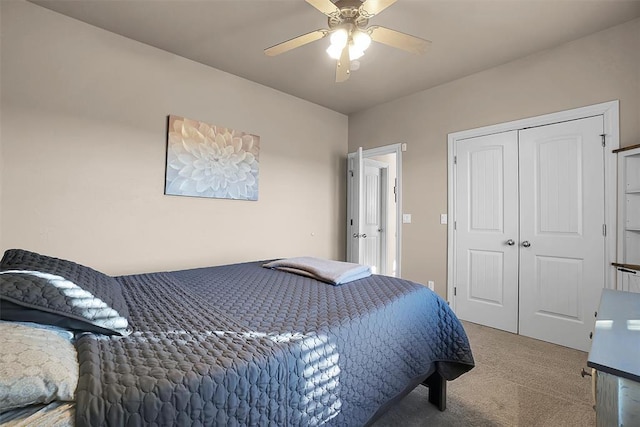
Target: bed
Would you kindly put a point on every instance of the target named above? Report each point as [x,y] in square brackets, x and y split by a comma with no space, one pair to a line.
[230,345]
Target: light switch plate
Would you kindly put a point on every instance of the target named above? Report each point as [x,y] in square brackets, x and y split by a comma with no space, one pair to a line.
[443,218]
[406,218]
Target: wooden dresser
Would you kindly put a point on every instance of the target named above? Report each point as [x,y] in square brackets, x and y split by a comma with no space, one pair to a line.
[615,356]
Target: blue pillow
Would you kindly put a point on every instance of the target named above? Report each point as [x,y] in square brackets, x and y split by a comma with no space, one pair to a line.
[41,289]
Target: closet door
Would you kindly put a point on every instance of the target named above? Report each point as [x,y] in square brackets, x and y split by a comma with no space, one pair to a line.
[562,244]
[486,256]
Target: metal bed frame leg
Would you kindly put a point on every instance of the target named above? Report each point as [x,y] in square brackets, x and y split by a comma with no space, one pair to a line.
[437,390]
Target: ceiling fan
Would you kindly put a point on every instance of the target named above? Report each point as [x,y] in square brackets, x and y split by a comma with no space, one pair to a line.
[349,34]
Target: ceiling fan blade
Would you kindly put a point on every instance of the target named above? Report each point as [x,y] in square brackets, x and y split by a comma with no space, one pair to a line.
[373,7]
[325,6]
[343,66]
[399,40]
[295,42]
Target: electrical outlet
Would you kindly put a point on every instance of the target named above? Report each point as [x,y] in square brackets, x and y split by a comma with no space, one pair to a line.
[431,285]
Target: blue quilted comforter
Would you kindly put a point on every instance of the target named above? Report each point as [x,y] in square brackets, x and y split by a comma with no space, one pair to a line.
[243,345]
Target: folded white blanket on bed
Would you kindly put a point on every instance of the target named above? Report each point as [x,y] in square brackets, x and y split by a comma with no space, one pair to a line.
[333,272]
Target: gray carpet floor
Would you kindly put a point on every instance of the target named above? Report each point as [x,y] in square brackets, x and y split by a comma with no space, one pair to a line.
[517,381]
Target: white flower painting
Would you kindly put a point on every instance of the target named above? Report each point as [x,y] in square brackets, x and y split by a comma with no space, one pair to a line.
[211,161]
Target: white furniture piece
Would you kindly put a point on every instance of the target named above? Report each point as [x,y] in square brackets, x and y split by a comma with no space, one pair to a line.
[628,260]
[615,357]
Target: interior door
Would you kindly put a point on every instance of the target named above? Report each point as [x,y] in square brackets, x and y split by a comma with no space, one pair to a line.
[390,160]
[486,256]
[354,203]
[561,230]
[373,220]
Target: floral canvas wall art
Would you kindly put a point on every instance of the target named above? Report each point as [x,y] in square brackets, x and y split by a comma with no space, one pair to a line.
[211,161]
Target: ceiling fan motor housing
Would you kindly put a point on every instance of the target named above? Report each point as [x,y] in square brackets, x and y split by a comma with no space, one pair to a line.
[350,13]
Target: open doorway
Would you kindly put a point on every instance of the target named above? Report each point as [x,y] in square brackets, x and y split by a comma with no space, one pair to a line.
[374,207]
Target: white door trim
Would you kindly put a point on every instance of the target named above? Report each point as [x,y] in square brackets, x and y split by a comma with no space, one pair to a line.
[610,112]
[381,151]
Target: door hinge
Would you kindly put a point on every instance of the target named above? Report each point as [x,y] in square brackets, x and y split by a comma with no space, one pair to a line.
[455,291]
[604,140]
[604,230]
[351,222]
[455,225]
[351,173]
[395,190]
[455,160]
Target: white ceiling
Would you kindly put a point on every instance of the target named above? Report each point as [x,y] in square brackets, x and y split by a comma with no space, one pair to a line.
[468,36]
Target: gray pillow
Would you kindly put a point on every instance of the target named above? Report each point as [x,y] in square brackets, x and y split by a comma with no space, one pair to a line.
[37,366]
[41,289]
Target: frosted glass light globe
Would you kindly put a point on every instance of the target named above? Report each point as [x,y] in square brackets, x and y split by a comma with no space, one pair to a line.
[339,38]
[354,52]
[334,51]
[361,40]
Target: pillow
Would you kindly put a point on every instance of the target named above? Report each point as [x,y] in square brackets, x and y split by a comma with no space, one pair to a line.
[98,284]
[61,332]
[36,366]
[41,289]
[33,296]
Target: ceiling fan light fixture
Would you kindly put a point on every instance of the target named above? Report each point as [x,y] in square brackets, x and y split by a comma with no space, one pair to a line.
[339,38]
[334,51]
[348,22]
[355,52]
[361,40]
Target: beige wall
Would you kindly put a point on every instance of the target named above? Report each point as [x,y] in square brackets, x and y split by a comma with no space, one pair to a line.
[82,146]
[602,67]
[84,138]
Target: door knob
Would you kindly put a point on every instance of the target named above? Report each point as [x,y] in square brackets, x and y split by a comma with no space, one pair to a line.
[510,242]
[526,244]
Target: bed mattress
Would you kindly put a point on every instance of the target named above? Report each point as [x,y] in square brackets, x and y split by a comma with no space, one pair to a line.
[245,345]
